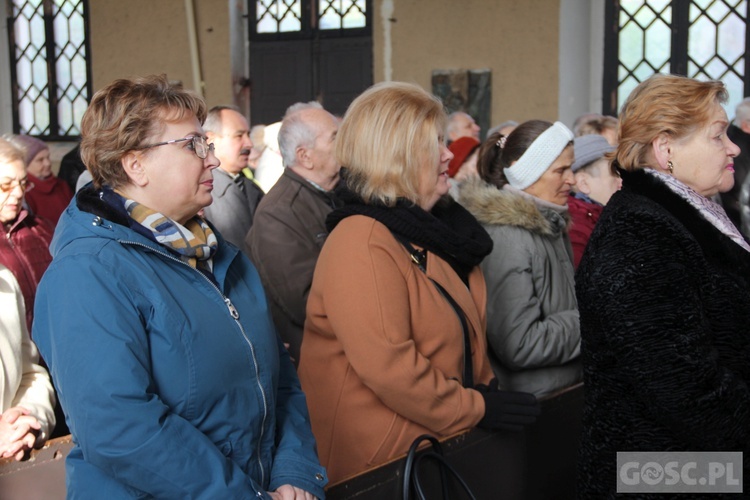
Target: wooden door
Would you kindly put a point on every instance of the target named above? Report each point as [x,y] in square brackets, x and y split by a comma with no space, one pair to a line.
[304,50]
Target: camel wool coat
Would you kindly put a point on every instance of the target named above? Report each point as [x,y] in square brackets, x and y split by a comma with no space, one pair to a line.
[384,349]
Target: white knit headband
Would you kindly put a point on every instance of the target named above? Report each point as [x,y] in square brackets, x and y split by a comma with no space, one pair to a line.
[539,156]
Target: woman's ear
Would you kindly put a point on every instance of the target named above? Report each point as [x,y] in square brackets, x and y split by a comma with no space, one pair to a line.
[134,168]
[662,150]
[582,182]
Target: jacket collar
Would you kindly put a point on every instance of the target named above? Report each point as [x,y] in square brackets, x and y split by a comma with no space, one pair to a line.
[43,186]
[89,216]
[493,206]
[330,197]
[224,180]
[716,245]
[22,216]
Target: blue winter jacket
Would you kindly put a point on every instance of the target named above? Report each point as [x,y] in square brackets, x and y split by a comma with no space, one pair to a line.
[173,386]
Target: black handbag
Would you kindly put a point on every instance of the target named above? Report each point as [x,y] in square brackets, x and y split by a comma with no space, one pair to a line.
[413,479]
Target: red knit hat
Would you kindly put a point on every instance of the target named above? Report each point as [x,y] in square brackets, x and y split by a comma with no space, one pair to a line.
[461,149]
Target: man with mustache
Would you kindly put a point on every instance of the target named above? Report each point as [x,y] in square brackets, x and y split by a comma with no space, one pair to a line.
[235,196]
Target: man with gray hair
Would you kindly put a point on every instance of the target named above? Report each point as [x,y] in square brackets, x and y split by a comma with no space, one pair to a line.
[739,133]
[289,227]
[235,196]
[461,124]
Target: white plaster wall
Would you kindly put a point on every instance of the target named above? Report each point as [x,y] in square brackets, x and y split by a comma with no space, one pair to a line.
[386,14]
[596,55]
[581,51]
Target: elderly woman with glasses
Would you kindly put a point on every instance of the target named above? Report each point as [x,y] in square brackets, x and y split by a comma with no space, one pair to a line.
[25,238]
[50,195]
[157,333]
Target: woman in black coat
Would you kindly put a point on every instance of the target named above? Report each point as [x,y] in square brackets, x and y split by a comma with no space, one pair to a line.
[664,290]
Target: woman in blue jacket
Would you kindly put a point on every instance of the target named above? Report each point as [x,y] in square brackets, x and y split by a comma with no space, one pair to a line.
[156,331]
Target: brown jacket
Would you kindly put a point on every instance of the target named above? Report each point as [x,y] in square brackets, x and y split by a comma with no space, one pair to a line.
[384,350]
[284,243]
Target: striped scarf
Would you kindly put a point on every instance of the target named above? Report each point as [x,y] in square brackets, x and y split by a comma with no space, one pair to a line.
[194,242]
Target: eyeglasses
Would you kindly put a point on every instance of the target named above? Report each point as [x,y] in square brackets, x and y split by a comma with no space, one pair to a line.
[198,145]
[7,184]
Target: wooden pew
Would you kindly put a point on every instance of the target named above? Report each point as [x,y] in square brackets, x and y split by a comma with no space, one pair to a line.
[538,464]
[41,477]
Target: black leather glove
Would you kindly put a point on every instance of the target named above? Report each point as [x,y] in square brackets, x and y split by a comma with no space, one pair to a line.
[507,410]
[493,387]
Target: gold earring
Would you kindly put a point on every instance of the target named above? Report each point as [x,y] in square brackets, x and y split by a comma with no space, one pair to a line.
[670,167]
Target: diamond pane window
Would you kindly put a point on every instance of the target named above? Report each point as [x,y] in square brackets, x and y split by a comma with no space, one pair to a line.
[50,71]
[278,16]
[716,44]
[702,39]
[31,67]
[645,40]
[305,19]
[342,14]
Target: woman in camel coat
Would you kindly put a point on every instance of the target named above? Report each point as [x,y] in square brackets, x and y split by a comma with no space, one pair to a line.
[386,356]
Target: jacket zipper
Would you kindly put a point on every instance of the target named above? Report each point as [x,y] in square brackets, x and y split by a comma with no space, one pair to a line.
[10,240]
[234,313]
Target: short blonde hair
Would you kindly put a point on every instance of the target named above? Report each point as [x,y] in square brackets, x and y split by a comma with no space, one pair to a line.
[663,104]
[123,115]
[388,134]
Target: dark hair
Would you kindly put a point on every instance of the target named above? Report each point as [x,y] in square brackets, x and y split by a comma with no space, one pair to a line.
[493,158]
[595,125]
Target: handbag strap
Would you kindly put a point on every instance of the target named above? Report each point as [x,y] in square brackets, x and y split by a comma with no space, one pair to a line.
[419,257]
[409,465]
[411,469]
[444,466]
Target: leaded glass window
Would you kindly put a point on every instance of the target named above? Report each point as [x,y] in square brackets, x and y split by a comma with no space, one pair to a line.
[50,70]
[278,16]
[342,14]
[289,19]
[702,39]
[716,44]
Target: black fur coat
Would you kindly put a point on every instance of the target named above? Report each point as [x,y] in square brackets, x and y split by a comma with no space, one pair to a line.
[664,300]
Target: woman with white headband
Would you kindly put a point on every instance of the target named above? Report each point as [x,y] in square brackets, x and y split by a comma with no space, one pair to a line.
[532,317]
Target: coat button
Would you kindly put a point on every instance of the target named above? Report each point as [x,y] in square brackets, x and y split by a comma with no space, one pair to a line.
[319,476]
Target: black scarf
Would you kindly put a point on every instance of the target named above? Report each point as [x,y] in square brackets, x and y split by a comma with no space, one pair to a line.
[448,231]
